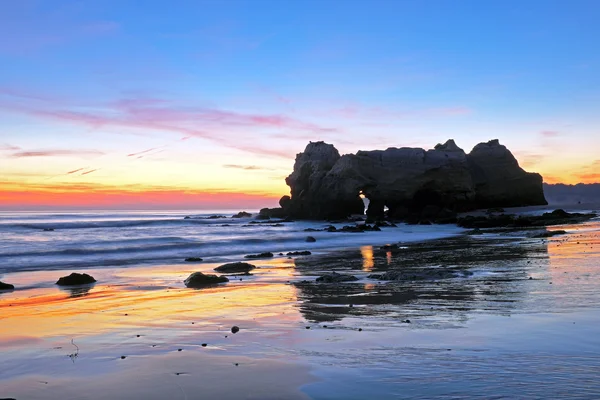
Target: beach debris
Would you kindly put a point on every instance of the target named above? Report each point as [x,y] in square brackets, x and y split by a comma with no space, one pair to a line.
[235,267]
[310,239]
[193,259]
[6,286]
[242,214]
[75,279]
[334,277]
[266,254]
[235,329]
[198,279]
[299,253]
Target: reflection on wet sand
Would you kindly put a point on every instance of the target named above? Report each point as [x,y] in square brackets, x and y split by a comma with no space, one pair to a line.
[494,270]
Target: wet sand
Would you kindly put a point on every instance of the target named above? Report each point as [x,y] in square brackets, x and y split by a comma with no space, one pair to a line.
[519,319]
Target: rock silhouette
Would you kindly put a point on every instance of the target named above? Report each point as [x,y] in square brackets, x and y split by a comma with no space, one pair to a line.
[325,185]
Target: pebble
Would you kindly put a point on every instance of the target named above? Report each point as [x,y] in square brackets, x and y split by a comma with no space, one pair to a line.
[123,357]
[204,344]
[235,329]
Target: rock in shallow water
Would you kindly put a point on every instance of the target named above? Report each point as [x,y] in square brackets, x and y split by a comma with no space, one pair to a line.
[198,279]
[310,239]
[242,214]
[334,277]
[266,254]
[235,267]
[76,279]
[193,259]
[6,286]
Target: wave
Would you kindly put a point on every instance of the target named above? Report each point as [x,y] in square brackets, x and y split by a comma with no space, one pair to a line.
[119,223]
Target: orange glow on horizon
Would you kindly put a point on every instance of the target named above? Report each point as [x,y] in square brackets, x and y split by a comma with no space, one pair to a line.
[15,196]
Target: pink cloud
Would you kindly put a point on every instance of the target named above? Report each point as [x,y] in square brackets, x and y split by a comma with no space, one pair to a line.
[90,171]
[227,128]
[8,147]
[549,134]
[56,153]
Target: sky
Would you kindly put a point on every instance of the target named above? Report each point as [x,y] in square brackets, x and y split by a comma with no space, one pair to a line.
[204,104]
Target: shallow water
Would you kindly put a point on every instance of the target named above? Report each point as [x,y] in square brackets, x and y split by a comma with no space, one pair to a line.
[88,240]
[488,331]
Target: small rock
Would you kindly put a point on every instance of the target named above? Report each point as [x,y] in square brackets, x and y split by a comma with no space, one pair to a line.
[334,277]
[235,329]
[75,279]
[198,279]
[123,357]
[360,329]
[310,239]
[242,214]
[299,253]
[267,254]
[308,327]
[193,259]
[179,349]
[235,267]
[204,344]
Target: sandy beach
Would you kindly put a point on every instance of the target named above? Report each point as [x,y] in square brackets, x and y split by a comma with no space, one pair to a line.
[499,314]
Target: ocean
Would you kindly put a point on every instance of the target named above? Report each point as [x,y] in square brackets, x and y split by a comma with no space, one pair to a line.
[33,241]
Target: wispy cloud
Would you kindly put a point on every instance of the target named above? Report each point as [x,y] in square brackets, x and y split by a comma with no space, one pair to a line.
[246,167]
[550,134]
[233,129]
[57,153]
[8,147]
[90,171]
[75,170]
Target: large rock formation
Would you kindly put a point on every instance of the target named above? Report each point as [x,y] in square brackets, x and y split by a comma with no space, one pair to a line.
[407,181]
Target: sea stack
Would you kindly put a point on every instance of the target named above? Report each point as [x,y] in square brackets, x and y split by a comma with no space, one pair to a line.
[408,181]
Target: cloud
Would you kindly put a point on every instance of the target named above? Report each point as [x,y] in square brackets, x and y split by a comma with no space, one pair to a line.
[143,152]
[90,171]
[75,170]
[589,178]
[549,134]
[224,127]
[246,167]
[8,147]
[56,153]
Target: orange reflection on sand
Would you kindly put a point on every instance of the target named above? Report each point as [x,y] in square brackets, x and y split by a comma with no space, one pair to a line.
[574,254]
[367,255]
[53,313]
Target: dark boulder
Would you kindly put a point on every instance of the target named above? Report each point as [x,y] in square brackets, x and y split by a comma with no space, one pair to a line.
[310,239]
[334,277]
[235,267]
[75,279]
[6,286]
[193,259]
[299,253]
[242,214]
[267,254]
[198,279]
[267,213]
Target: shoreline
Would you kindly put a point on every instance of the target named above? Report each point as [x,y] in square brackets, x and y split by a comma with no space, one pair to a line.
[357,332]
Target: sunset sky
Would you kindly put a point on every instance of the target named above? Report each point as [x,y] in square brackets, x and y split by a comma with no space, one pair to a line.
[204,104]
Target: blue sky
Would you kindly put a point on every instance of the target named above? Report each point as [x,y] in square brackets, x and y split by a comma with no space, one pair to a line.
[205,85]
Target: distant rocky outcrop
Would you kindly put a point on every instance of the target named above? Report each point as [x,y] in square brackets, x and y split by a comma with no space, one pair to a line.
[408,181]
[6,286]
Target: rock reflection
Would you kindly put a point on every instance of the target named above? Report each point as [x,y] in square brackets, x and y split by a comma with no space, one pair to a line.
[77,291]
[491,275]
